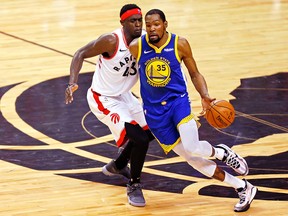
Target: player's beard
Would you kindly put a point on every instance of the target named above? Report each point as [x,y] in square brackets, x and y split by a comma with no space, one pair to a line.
[155,41]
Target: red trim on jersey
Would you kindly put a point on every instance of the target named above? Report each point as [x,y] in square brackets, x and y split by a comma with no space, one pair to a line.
[100,62]
[116,50]
[123,139]
[99,103]
[146,127]
[124,39]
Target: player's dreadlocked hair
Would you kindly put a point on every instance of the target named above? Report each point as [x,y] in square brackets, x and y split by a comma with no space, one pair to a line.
[128,7]
[157,11]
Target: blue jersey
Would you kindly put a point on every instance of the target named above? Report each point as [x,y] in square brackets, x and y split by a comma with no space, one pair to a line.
[163,90]
[161,75]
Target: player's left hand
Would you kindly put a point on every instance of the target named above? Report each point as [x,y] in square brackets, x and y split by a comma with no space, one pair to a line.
[69,92]
[206,101]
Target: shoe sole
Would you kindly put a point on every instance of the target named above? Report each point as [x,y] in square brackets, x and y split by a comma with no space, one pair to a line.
[246,167]
[107,173]
[136,204]
[253,193]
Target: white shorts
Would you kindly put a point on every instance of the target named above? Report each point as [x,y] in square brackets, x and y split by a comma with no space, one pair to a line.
[114,111]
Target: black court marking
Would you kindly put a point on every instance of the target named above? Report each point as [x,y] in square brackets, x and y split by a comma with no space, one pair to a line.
[152,182]
[51,116]
[9,135]
[221,191]
[40,45]
[262,98]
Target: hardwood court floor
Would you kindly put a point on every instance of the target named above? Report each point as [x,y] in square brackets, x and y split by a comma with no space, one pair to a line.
[51,154]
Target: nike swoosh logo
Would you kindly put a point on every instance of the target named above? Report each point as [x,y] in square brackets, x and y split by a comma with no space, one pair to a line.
[183,95]
[169,49]
[145,51]
[123,50]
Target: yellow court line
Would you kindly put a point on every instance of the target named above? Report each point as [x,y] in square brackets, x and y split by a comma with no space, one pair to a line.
[8,108]
[249,116]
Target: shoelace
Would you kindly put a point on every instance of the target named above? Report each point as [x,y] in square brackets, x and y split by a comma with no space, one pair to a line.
[232,161]
[242,196]
[135,186]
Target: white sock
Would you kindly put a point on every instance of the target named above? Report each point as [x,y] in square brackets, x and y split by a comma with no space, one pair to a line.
[233,181]
[219,153]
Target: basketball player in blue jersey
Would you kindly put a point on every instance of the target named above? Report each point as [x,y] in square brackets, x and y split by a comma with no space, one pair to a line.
[167,107]
[111,100]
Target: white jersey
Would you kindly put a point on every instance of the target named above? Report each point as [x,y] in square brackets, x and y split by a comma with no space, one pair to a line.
[117,74]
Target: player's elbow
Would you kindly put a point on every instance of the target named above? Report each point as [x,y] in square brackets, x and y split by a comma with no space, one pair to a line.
[79,54]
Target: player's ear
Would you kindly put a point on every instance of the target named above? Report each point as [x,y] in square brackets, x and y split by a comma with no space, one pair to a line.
[122,22]
[166,24]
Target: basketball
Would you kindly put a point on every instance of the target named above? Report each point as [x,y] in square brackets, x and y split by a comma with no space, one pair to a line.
[220,114]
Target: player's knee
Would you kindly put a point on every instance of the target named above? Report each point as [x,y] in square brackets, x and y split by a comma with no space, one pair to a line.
[143,139]
[192,147]
[142,142]
[136,134]
[150,135]
[197,150]
[195,162]
[206,167]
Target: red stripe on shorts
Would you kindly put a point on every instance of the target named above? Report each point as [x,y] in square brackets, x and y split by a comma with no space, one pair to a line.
[99,103]
[123,139]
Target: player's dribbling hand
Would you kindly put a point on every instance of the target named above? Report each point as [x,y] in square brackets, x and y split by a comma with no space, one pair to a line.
[206,101]
[69,92]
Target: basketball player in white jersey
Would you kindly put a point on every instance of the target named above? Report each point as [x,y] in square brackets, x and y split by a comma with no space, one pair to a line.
[111,100]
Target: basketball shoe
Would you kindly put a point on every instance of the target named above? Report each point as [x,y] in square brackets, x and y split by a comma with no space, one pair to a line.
[233,160]
[135,195]
[110,169]
[246,196]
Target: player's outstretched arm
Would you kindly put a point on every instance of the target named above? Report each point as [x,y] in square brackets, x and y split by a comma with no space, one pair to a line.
[106,44]
[185,53]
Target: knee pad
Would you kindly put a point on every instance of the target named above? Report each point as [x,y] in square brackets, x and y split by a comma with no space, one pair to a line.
[203,165]
[190,139]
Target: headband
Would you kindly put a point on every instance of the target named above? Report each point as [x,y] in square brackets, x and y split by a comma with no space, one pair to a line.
[129,13]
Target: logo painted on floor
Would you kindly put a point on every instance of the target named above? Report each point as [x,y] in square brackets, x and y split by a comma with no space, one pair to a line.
[260,102]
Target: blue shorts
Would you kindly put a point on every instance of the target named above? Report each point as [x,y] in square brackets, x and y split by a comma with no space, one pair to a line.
[163,120]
